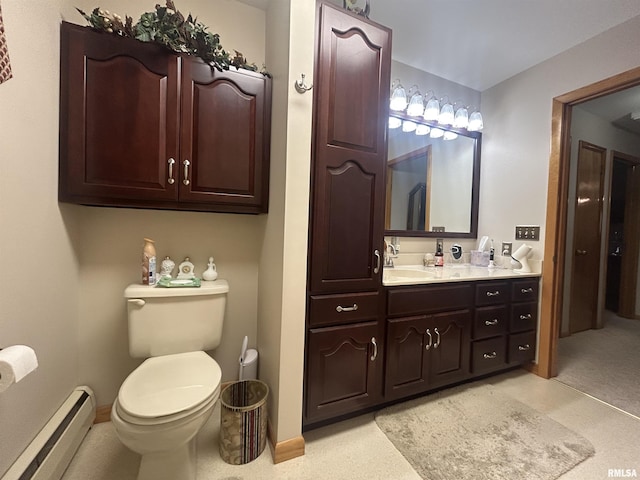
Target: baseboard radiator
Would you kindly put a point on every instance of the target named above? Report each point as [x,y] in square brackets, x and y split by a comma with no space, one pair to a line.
[49,454]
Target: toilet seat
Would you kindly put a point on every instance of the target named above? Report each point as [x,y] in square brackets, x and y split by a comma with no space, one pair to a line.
[169,387]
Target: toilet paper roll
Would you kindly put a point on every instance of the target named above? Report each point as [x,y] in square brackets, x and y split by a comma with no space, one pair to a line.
[16,362]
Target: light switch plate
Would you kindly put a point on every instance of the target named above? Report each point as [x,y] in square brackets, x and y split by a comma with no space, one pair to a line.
[528,232]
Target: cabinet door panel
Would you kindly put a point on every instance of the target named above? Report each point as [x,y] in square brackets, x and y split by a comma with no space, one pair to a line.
[449,357]
[225,157]
[344,369]
[118,117]
[406,367]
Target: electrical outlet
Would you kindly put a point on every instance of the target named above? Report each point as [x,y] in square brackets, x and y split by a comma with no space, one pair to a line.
[528,232]
[506,249]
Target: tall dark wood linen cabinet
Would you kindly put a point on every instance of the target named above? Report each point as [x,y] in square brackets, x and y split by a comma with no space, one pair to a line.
[345,301]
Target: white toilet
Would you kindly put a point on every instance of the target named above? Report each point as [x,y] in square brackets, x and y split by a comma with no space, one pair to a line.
[164,403]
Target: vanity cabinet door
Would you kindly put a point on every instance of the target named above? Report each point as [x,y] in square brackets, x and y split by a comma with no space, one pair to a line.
[349,153]
[449,356]
[224,137]
[119,113]
[409,341]
[344,369]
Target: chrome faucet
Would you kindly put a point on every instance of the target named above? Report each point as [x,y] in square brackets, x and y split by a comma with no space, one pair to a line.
[388,258]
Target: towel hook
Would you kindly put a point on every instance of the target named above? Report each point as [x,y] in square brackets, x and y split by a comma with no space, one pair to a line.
[302,87]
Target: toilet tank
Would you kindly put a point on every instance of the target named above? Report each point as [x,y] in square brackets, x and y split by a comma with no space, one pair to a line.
[163,321]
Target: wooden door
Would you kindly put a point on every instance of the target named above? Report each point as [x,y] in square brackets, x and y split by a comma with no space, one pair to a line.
[449,357]
[631,239]
[409,341]
[344,369]
[119,109]
[351,108]
[583,308]
[225,137]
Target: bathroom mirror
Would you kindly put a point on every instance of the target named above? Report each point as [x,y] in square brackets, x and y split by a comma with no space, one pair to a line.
[432,183]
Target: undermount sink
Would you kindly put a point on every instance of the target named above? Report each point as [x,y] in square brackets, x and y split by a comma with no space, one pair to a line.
[405,273]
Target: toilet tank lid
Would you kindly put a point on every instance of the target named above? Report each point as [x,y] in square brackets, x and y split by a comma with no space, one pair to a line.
[206,288]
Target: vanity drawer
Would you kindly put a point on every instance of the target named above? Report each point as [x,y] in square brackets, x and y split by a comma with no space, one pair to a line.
[341,309]
[490,321]
[488,355]
[524,291]
[492,293]
[524,316]
[522,347]
[410,301]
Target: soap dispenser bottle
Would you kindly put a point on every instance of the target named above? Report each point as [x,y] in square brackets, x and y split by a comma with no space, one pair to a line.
[439,255]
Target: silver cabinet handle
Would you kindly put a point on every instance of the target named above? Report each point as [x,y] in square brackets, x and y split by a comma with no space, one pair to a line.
[526,290]
[437,344]
[430,339]
[341,309]
[171,180]
[489,323]
[493,294]
[186,164]
[375,349]
[490,355]
[581,252]
[524,348]
[525,317]
[376,269]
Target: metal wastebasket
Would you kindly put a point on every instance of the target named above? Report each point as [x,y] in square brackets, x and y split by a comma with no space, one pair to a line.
[243,421]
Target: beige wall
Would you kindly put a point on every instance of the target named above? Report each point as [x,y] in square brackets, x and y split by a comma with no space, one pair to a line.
[40,283]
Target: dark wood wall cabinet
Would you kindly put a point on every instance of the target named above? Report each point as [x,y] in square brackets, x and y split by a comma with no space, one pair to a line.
[143,127]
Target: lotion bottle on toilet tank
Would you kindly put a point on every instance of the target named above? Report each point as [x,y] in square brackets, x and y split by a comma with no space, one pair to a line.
[149,262]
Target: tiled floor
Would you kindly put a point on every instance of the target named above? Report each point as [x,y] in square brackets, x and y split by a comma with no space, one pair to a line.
[357,449]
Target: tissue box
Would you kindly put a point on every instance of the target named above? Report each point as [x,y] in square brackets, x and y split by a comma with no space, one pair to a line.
[479,259]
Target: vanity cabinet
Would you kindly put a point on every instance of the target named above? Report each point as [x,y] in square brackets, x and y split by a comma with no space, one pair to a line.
[143,127]
[429,348]
[345,302]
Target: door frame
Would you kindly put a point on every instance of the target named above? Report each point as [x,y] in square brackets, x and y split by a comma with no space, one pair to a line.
[553,270]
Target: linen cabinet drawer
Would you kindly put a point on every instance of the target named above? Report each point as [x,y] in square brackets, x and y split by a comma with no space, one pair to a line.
[343,308]
[522,347]
[488,355]
[412,301]
[524,316]
[492,293]
[524,291]
[490,321]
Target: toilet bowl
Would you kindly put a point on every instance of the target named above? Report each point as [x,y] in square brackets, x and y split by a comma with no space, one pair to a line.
[160,408]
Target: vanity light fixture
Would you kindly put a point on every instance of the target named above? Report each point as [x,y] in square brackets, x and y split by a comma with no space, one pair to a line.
[461,118]
[450,135]
[432,110]
[475,122]
[436,133]
[416,105]
[398,100]
[394,122]
[408,126]
[446,113]
[422,129]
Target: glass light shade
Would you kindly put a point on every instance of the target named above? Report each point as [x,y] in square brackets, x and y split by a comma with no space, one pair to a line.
[450,135]
[398,100]
[394,122]
[436,133]
[446,114]
[461,119]
[408,126]
[416,107]
[475,122]
[432,110]
[422,129]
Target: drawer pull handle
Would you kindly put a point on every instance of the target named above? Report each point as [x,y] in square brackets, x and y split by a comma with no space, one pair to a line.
[341,309]
[490,355]
[186,164]
[493,294]
[376,269]
[525,317]
[430,340]
[437,344]
[489,323]
[375,349]
[524,348]
[526,290]
[171,163]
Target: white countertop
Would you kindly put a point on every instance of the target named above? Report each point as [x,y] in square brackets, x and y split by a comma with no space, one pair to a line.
[417,274]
